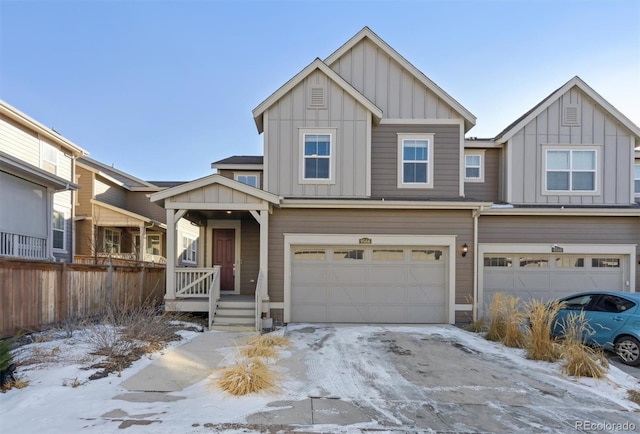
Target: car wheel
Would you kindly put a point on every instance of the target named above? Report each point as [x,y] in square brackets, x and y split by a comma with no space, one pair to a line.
[628,348]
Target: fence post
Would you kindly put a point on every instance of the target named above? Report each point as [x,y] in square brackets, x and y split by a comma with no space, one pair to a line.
[109,282]
[141,294]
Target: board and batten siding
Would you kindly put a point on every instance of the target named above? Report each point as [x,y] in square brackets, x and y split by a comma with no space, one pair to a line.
[108,192]
[282,140]
[388,85]
[250,256]
[370,222]
[445,161]
[614,158]
[489,189]
[559,230]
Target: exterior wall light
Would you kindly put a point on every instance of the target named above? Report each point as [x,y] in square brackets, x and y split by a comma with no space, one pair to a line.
[465,249]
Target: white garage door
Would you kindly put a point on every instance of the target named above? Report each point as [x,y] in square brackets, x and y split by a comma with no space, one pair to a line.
[368,284]
[546,277]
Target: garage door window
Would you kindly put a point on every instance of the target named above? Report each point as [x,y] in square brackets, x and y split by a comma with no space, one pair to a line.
[347,254]
[605,262]
[309,255]
[569,262]
[426,255]
[532,261]
[498,261]
[388,255]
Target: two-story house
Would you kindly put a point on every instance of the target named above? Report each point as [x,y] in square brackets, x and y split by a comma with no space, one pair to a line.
[115,219]
[37,185]
[370,206]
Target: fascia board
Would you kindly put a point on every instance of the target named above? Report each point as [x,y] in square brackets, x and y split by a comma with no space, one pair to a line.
[379,204]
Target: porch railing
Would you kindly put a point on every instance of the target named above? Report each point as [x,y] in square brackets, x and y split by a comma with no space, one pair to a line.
[148,257]
[195,282]
[214,295]
[22,246]
[259,302]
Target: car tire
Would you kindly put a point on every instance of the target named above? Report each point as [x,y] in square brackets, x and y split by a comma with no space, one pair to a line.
[628,349]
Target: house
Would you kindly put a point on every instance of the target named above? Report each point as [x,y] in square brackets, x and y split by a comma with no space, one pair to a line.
[37,189]
[115,219]
[369,205]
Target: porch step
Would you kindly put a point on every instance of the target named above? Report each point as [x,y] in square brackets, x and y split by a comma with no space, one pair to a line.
[232,328]
[238,314]
[240,304]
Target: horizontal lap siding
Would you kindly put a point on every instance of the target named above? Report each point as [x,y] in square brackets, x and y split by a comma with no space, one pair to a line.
[446,161]
[395,222]
[489,189]
[18,141]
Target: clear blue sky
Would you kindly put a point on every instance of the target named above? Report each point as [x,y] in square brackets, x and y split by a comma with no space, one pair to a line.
[161,89]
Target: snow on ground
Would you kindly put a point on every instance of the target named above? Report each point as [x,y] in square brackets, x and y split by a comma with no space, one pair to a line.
[60,398]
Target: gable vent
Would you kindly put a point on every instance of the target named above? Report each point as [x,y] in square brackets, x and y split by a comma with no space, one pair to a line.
[317,97]
[571,117]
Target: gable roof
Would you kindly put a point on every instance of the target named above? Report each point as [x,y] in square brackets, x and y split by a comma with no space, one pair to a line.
[366,32]
[576,81]
[240,162]
[317,64]
[119,177]
[214,179]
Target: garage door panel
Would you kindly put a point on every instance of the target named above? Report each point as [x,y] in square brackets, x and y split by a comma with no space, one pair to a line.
[308,273]
[310,312]
[385,294]
[387,274]
[347,274]
[430,273]
[423,314]
[389,314]
[533,280]
[426,295]
[347,313]
[310,294]
[347,294]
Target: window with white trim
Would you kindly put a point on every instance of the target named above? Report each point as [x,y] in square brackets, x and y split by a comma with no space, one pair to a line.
[474,166]
[317,156]
[154,244]
[59,230]
[189,250]
[415,160]
[49,158]
[248,179]
[111,240]
[571,170]
[636,179]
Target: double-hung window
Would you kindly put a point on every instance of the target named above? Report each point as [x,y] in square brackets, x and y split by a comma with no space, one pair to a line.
[636,179]
[111,240]
[49,158]
[58,230]
[415,160]
[317,152]
[189,250]
[571,170]
[473,166]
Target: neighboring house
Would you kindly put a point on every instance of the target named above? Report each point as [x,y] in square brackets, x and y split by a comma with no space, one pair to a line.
[114,218]
[370,206]
[37,189]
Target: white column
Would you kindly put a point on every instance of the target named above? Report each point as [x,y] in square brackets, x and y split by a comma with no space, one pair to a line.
[143,242]
[171,255]
[264,251]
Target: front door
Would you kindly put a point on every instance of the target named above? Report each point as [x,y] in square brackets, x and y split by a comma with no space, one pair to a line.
[224,255]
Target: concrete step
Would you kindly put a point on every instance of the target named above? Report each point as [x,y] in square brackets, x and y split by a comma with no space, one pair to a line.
[235,311]
[244,304]
[232,327]
[234,319]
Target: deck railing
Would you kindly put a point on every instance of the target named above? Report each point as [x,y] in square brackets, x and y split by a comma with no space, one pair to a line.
[22,246]
[194,282]
[148,257]
[214,295]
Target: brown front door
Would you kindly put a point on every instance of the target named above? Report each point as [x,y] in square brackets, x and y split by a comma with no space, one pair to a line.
[224,255]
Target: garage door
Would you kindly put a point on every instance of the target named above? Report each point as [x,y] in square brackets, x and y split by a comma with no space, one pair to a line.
[357,284]
[546,277]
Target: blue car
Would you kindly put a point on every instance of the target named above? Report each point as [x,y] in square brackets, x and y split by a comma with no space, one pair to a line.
[614,318]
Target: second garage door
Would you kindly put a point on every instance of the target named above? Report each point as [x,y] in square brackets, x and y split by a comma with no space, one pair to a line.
[357,284]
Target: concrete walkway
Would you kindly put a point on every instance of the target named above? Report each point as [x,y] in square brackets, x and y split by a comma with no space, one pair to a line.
[187,364]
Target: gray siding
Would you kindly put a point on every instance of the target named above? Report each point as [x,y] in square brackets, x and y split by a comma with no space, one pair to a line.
[389,86]
[446,163]
[558,230]
[400,222]
[107,192]
[287,116]
[139,203]
[614,158]
[250,256]
[489,190]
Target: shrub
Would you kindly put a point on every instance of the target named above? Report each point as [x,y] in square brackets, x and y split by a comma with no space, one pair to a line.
[247,376]
[540,345]
[513,322]
[496,325]
[581,360]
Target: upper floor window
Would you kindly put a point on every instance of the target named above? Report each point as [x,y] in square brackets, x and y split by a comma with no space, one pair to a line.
[249,179]
[59,225]
[636,178]
[189,250]
[318,156]
[111,240]
[571,170]
[474,166]
[49,158]
[415,161]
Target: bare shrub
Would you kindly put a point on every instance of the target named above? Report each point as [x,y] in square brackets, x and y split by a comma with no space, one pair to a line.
[581,360]
[247,376]
[514,335]
[496,326]
[107,340]
[540,345]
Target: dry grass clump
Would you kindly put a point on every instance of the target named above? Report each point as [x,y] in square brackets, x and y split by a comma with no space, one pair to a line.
[634,396]
[259,349]
[476,326]
[540,345]
[581,360]
[270,340]
[514,335]
[247,376]
[496,325]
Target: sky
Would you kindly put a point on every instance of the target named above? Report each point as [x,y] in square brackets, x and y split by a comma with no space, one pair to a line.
[161,89]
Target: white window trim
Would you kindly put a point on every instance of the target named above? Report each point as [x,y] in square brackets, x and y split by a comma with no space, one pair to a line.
[236,175]
[332,155]
[636,194]
[193,249]
[598,170]
[64,231]
[479,153]
[104,240]
[430,160]
[44,145]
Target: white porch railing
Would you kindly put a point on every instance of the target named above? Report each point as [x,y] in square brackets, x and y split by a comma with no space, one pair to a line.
[214,295]
[195,282]
[22,246]
[259,302]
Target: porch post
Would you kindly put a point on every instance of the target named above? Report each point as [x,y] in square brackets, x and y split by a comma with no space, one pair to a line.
[264,252]
[143,242]
[171,255]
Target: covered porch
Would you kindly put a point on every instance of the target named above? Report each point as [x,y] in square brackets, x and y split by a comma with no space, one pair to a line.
[229,281]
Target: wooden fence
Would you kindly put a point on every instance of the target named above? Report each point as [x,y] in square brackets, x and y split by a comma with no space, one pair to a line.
[36,293]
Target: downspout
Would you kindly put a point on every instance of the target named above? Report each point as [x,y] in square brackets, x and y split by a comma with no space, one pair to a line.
[476,214]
